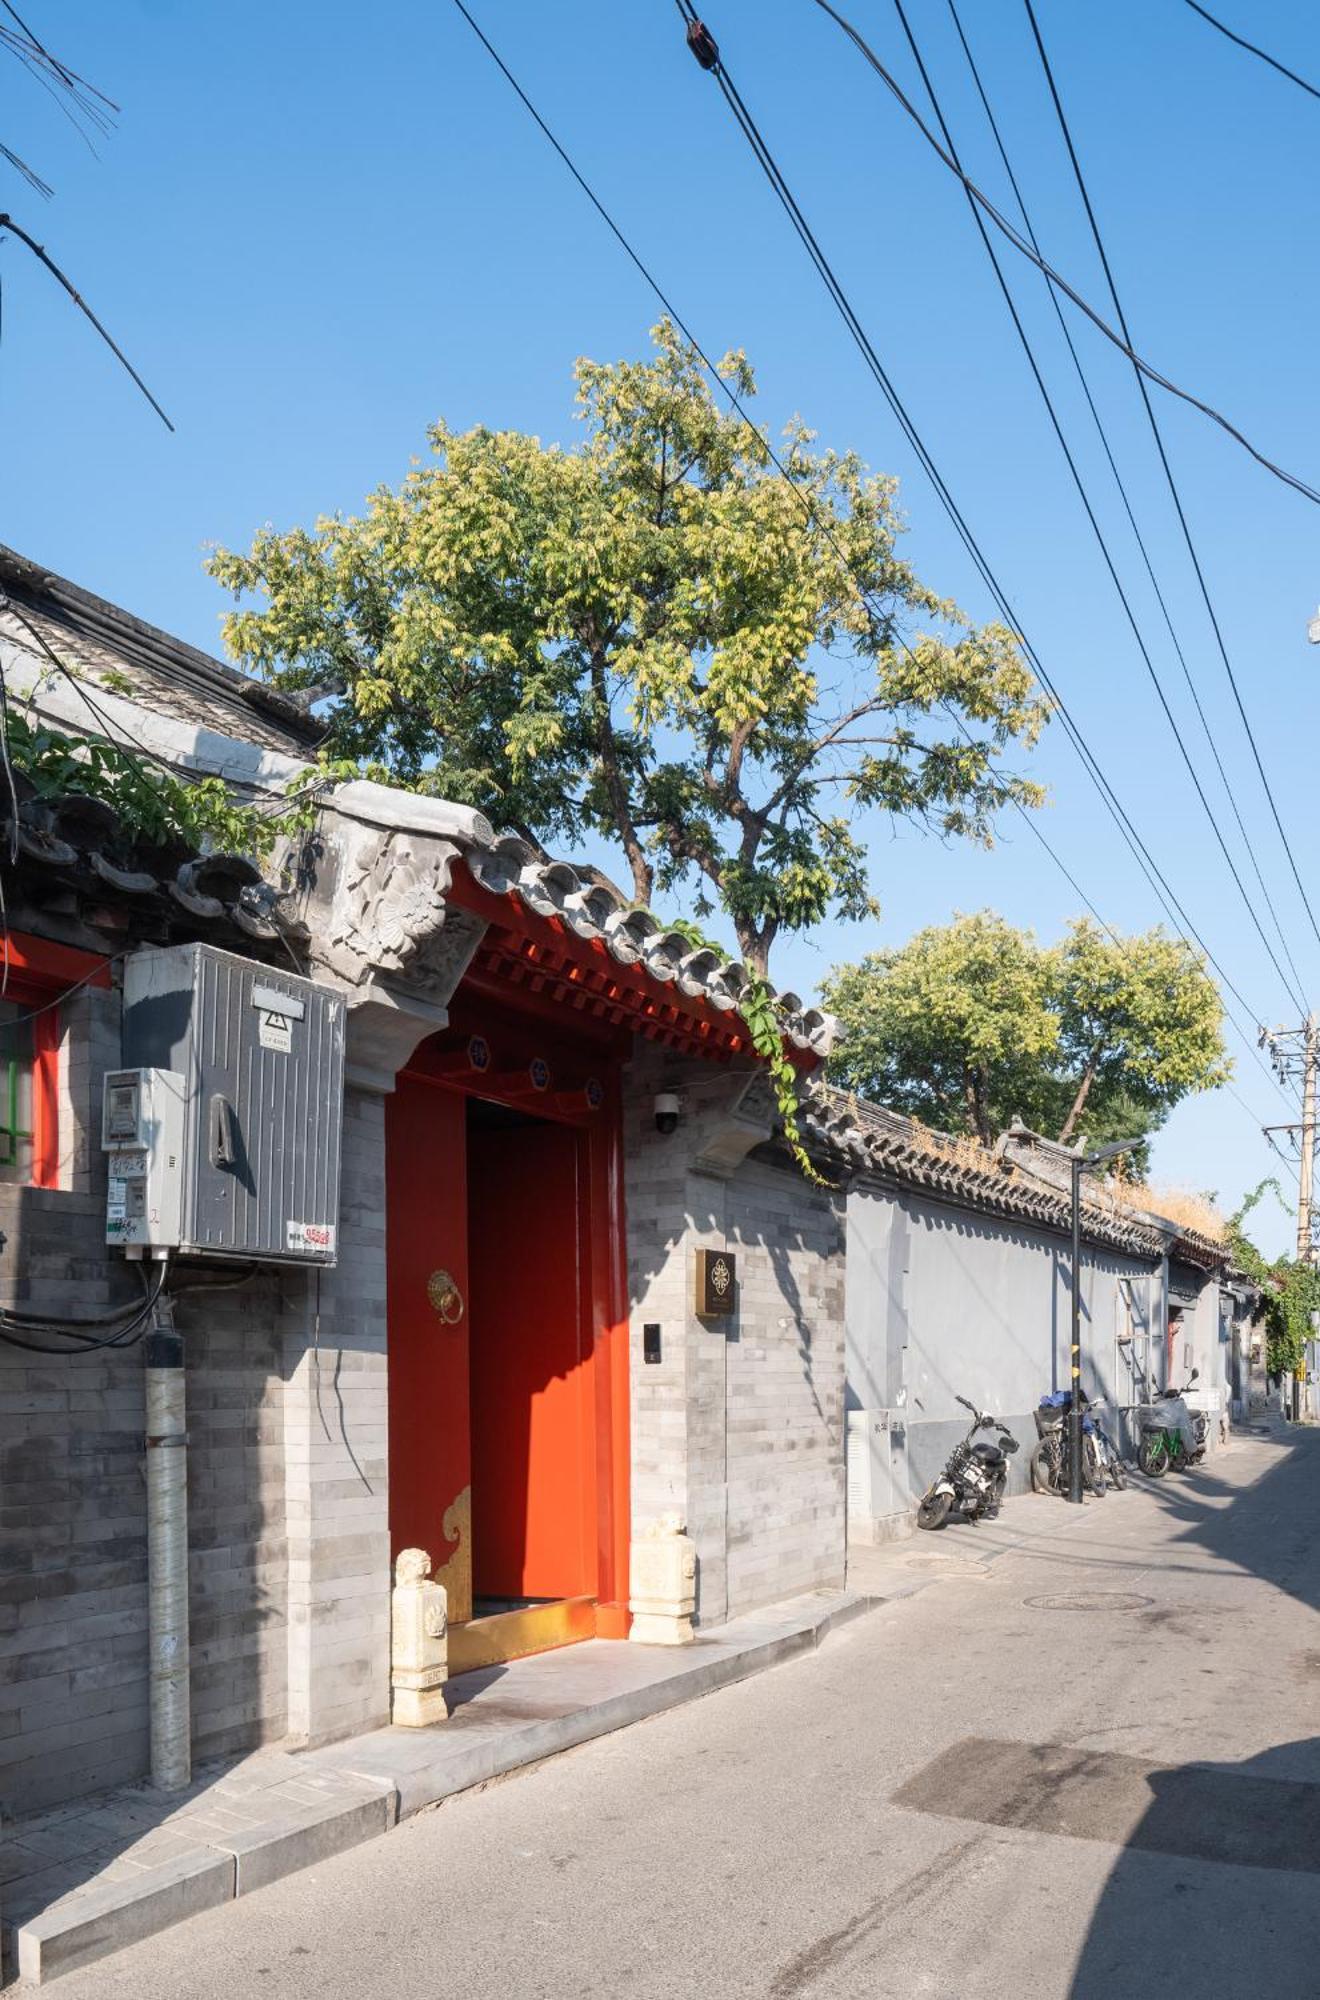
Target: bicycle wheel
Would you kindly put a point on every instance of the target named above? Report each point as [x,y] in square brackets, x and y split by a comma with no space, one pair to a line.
[1093,1470]
[1044,1469]
[1153,1457]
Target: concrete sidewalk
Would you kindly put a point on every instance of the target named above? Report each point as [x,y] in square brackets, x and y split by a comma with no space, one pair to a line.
[84,1880]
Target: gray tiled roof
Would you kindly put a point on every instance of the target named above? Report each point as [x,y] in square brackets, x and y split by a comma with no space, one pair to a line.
[507,865]
[873,1140]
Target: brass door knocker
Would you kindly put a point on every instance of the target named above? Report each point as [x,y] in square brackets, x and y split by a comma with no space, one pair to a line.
[445,1297]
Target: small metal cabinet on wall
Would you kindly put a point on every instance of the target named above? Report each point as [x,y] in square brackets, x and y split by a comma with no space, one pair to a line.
[261,1055]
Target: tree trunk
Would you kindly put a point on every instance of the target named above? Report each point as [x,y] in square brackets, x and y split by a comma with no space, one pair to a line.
[754,944]
[1083,1092]
[643,874]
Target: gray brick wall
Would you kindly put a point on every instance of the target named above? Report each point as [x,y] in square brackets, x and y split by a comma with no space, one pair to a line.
[73,1653]
[740,1426]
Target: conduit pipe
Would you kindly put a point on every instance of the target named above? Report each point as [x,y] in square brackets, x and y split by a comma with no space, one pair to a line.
[167,1554]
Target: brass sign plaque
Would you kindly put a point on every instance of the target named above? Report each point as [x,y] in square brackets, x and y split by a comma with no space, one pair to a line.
[717,1283]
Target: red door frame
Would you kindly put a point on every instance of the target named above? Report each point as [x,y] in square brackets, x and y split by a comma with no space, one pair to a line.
[441,1063]
[41,974]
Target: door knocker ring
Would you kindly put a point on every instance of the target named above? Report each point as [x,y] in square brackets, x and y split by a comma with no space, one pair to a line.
[445,1297]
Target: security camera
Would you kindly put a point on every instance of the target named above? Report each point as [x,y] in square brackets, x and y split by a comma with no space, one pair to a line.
[667,1110]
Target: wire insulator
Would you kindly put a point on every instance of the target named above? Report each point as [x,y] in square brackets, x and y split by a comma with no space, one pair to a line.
[703,45]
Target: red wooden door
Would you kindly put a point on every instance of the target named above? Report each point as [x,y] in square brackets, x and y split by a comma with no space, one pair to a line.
[429,1432]
[533,1432]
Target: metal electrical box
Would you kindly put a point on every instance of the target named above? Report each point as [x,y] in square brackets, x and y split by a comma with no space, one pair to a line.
[258,1055]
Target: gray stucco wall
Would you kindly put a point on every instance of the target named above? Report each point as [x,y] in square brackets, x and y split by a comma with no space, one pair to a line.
[942,1302]
[739,1427]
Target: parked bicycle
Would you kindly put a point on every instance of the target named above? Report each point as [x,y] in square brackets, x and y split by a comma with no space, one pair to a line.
[1050,1463]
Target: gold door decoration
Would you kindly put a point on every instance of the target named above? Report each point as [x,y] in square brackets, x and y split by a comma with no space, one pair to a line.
[455,1573]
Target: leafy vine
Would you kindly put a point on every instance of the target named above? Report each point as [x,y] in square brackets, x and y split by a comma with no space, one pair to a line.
[758,1005]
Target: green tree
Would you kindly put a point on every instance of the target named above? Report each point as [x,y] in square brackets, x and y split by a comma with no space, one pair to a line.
[972,1023]
[649,637]
[1290,1291]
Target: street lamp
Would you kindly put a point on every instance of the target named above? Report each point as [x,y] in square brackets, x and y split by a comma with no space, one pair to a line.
[1080,1162]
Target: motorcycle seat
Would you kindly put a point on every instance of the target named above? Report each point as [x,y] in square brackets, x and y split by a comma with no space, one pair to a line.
[990,1453]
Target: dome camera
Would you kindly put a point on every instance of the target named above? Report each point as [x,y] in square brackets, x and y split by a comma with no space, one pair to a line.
[667,1111]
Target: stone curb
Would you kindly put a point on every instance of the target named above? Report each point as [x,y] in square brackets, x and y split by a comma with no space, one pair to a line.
[422,1781]
[107,1915]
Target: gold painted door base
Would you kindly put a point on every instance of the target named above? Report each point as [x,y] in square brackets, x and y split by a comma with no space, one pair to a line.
[511,1635]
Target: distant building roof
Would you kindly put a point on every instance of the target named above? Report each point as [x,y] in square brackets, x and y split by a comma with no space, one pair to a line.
[97,638]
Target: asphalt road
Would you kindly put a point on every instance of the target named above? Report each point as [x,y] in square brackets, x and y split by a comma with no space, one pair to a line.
[1088,1766]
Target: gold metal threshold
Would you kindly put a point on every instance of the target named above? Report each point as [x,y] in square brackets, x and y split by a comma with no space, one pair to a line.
[511,1635]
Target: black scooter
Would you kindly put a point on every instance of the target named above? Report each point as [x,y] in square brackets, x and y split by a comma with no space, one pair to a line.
[975,1476]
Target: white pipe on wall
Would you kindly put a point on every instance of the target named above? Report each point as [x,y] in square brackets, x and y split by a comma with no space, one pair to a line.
[167,1554]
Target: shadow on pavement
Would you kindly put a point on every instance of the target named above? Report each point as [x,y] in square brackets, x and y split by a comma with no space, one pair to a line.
[1215,1889]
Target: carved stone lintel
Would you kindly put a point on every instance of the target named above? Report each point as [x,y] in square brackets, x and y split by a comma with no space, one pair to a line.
[748,1119]
[383,1030]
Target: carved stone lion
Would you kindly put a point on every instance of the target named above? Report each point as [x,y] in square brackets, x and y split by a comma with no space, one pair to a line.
[412,1566]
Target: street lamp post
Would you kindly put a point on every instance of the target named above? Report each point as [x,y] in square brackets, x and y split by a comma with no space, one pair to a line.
[1080,1163]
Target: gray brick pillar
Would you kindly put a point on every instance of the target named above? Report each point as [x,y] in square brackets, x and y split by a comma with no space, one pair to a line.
[336,1458]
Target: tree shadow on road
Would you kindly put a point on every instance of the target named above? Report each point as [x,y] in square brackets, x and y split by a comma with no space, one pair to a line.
[1215,1891]
[1215,1888]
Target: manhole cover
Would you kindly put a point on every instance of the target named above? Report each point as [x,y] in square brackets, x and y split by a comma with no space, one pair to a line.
[1091,1600]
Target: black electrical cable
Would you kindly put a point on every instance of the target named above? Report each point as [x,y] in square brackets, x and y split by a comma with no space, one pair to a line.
[768,164]
[1252,50]
[1122,491]
[1020,243]
[1168,472]
[14,1327]
[7,222]
[1139,849]
[1163,894]
[1294,987]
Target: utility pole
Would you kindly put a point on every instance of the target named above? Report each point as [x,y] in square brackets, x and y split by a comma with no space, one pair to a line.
[1286,1062]
[1079,1165]
[1304,1178]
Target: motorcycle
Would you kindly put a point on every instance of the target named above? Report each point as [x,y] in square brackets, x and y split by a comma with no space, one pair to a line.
[975,1476]
[1171,1434]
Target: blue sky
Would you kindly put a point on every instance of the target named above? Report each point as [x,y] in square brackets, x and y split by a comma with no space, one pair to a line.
[317,229]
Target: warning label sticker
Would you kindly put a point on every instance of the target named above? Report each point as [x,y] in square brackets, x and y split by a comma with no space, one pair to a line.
[275,1031]
[315,1236]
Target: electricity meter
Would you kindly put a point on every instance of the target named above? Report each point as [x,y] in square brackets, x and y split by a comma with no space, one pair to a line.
[142,1138]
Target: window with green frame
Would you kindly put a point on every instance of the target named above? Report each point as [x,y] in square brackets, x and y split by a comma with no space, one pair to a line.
[17,1066]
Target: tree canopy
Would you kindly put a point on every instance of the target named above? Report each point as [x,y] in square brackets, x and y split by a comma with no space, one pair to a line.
[973,1023]
[650,637]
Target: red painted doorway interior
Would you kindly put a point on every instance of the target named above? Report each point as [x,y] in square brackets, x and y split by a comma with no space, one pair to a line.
[508,1335]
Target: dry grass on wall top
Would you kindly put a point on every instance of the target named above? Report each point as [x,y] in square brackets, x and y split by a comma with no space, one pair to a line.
[1184,1206]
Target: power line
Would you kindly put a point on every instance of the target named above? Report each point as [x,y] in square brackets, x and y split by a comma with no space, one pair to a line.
[1021,244]
[1164,893]
[1165,897]
[7,222]
[1251,49]
[1124,600]
[1168,473]
[1119,483]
